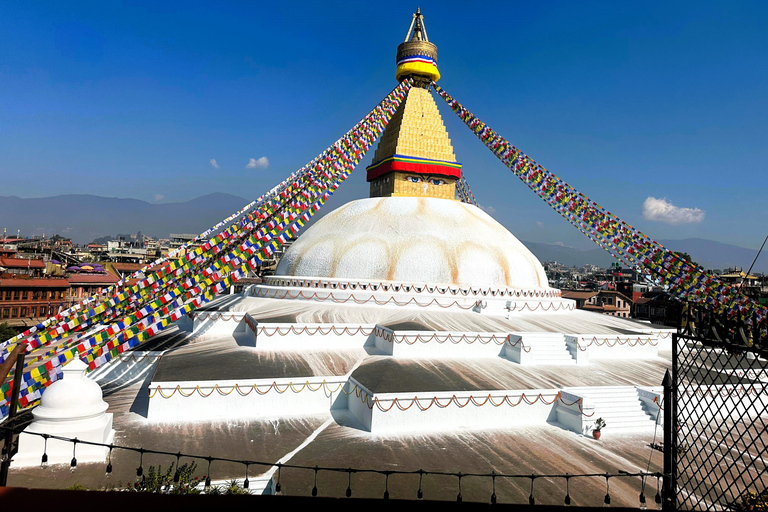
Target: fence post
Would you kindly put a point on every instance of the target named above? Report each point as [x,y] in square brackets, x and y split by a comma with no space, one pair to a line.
[9,443]
[670,437]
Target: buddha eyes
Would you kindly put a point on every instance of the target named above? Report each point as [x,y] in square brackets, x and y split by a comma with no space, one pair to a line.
[419,179]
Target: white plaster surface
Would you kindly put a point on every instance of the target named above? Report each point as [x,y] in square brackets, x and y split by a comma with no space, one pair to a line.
[413,239]
[383,413]
[71,407]
[245,398]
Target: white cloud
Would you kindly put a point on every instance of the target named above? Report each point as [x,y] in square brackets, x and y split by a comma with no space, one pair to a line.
[662,210]
[258,163]
[490,210]
[214,163]
[159,197]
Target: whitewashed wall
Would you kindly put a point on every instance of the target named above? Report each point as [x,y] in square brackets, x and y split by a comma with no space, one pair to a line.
[308,395]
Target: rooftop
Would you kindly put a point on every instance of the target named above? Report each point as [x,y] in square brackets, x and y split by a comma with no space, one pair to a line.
[34,283]
[106,278]
[21,263]
[569,294]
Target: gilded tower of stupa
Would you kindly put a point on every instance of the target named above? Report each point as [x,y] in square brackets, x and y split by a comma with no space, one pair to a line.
[415,157]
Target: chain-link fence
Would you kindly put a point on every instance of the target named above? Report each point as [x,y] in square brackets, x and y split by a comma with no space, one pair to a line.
[720,413]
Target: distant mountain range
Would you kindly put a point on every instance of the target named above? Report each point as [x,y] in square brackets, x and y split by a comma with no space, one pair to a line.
[707,253]
[87,217]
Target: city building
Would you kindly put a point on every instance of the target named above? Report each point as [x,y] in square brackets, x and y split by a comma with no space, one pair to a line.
[609,302]
[24,301]
[126,252]
[82,286]
[22,266]
[658,308]
[122,270]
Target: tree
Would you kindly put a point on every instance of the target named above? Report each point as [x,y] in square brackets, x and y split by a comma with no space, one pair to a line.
[7,332]
[686,257]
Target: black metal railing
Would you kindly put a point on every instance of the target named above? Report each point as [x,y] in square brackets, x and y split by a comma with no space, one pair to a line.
[719,446]
[738,332]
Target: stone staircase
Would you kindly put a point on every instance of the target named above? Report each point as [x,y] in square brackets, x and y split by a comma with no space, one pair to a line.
[539,348]
[619,406]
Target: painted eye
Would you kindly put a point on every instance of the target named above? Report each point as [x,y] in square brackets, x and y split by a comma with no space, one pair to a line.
[413,179]
[437,182]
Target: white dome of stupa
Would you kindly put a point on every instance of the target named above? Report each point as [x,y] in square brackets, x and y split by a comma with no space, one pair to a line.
[411,239]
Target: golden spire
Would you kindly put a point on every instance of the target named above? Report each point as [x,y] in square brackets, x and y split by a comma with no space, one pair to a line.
[415,157]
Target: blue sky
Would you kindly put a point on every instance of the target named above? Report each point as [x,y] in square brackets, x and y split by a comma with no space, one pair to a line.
[624,101]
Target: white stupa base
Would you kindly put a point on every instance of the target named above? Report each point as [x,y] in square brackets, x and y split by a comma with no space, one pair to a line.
[32,447]
[192,400]
[488,300]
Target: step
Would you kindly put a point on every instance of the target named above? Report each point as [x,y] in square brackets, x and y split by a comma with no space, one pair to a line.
[538,338]
[619,406]
[609,391]
[618,401]
[562,362]
[549,352]
[622,415]
[553,357]
[617,424]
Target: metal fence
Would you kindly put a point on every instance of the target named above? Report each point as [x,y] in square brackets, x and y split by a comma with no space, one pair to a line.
[719,413]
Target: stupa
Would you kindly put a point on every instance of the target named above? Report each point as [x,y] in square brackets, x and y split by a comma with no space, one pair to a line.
[72,407]
[412,241]
[405,330]
[411,311]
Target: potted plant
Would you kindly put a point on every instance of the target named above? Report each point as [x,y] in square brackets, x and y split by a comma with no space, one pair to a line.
[599,424]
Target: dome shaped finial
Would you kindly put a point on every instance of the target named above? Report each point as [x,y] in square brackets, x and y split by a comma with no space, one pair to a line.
[416,56]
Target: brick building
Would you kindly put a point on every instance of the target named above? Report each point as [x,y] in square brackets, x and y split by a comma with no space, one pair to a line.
[22,266]
[609,302]
[85,285]
[24,300]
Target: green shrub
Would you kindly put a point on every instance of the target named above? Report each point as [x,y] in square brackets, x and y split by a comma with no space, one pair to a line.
[157,481]
[752,501]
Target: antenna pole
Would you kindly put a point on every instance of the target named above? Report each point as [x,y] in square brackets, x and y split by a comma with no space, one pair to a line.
[752,265]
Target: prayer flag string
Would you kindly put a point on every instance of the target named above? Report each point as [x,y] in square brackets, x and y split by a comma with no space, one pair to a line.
[620,239]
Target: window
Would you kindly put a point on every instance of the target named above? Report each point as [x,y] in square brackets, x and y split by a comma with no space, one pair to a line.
[24,295]
[14,312]
[34,311]
[6,312]
[7,294]
[24,311]
[16,294]
[36,295]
